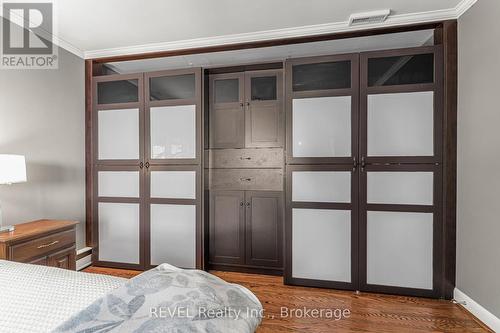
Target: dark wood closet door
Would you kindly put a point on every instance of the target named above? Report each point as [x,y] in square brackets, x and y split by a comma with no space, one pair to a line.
[264,228]
[227,227]
[264,118]
[118,171]
[401,111]
[173,146]
[227,111]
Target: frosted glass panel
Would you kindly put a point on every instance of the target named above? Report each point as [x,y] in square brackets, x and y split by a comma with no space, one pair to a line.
[399,249]
[173,132]
[173,235]
[173,184]
[322,127]
[118,134]
[401,124]
[410,188]
[321,244]
[119,232]
[118,184]
[321,186]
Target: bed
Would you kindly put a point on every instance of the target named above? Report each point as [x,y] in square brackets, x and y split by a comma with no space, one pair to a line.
[165,299]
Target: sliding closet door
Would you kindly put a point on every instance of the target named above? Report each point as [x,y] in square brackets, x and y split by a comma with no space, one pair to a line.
[118,117]
[400,177]
[173,163]
[322,145]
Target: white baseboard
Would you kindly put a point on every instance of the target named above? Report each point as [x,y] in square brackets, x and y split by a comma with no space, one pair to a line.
[83,250]
[477,310]
[84,262]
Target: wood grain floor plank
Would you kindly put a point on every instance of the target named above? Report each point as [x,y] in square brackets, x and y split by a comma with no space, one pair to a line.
[369,313]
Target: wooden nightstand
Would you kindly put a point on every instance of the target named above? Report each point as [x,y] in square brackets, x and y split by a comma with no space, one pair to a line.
[43,242]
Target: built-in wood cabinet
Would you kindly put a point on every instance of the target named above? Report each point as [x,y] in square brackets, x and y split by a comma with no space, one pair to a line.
[264,228]
[227,111]
[246,109]
[246,228]
[227,227]
[264,121]
[245,170]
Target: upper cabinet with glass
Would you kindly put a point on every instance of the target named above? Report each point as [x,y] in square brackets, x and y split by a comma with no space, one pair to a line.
[322,109]
[246,109]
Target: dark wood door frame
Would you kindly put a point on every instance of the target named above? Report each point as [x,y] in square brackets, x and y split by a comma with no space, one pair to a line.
[445,33]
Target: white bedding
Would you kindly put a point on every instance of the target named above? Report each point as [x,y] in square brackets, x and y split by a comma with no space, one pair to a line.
[36,299]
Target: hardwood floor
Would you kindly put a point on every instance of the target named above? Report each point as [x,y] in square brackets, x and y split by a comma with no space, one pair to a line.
[368,312]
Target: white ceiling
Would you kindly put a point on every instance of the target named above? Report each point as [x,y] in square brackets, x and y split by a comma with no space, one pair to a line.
[97,28]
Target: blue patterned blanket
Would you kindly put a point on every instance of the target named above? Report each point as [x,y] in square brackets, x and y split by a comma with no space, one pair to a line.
[169,299]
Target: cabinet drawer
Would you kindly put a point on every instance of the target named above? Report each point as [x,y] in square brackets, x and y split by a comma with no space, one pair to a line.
[246,179]
[40,246]
[246,158]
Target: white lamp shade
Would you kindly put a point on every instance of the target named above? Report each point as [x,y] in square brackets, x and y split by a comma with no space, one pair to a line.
[12,169]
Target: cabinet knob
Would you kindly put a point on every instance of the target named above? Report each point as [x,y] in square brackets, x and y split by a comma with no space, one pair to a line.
[248,204]
[141,165]
[241,104]
[242,203]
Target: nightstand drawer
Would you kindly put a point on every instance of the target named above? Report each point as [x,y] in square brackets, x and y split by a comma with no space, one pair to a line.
[38,247]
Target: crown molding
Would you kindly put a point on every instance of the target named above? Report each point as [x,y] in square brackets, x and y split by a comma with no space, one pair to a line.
[319,29]
[464,6]
[68,47]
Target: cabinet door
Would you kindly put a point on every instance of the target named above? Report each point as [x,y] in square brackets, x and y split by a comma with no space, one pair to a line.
[264,228]
[227,114]
[227,227]
[264,104]
[63,259]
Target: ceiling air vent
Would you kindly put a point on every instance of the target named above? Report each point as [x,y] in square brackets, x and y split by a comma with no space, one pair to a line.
[377,16]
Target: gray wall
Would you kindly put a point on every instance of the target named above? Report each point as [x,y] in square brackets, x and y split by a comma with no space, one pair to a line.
[478,245]
[42,116]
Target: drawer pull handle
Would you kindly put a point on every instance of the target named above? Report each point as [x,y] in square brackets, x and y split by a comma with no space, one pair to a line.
[245,158]
[47,245]
[246,179]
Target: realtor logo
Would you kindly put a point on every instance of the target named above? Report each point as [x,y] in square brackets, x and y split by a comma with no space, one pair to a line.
[27,33]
